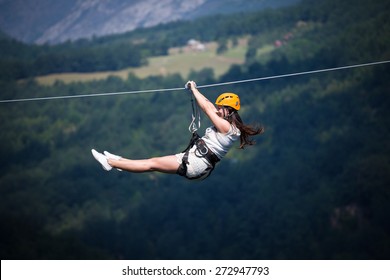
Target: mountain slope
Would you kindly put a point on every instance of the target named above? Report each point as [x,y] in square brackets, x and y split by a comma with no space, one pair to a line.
[58,21]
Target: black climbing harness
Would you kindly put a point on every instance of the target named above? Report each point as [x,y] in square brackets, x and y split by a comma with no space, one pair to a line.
[201,151]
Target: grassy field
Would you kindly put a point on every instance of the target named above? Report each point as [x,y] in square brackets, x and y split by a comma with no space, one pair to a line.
[180,60]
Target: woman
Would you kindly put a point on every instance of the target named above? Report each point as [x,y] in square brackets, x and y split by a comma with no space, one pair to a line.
[201,156]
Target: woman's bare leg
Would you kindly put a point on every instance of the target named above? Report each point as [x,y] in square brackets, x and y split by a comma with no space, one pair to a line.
[166,164]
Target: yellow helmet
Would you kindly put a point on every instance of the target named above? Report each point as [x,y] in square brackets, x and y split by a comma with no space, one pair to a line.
[228,99]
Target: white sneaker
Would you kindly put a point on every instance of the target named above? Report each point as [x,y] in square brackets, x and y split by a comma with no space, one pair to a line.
[102,159]
[114,157]
[111,156]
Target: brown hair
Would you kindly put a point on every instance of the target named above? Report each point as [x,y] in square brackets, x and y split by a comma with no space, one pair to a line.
[246,130]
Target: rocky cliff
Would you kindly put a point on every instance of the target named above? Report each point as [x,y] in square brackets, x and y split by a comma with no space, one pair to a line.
[46,21]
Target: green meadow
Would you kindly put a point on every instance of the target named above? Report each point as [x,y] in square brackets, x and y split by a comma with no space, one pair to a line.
[180,60]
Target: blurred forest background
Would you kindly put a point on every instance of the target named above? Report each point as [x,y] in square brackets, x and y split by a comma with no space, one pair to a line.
[316,185]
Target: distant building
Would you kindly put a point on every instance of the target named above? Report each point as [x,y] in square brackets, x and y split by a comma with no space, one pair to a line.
[278,43]
[195,45]
[286,38]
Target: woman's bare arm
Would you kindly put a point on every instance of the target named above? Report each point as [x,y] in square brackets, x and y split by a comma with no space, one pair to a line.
[209,109]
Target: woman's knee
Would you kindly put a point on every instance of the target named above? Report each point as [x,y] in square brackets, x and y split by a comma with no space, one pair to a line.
[152,164]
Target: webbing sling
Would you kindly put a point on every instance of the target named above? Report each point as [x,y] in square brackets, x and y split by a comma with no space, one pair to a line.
[182,171]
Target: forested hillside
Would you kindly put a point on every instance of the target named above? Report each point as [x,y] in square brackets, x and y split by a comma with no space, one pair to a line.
[131,49]
[315,186]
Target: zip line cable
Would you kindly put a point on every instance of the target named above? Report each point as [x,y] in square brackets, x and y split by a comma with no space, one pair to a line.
[296,74]
[204,86]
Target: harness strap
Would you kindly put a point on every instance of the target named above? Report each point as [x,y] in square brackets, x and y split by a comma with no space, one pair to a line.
[194,138]
[206,152]
[182,171]
[201,151]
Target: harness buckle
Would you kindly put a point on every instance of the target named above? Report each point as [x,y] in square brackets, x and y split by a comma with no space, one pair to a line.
[203,149]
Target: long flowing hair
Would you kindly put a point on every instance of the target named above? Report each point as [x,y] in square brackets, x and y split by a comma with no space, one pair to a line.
[247,131]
